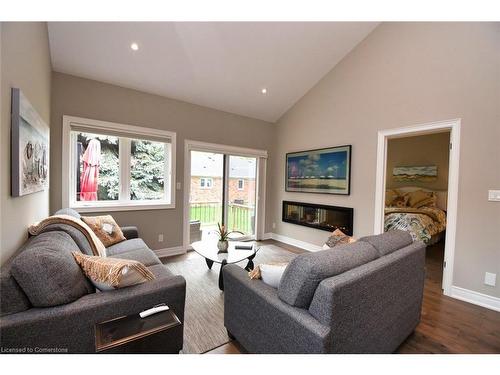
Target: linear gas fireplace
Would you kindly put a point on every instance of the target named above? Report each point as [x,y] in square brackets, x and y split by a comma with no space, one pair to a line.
[318,216]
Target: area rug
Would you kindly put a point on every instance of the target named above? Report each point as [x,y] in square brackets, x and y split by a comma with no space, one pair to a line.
[204,312]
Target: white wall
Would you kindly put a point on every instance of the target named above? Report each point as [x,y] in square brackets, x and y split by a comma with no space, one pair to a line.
[404,74]
[25,63]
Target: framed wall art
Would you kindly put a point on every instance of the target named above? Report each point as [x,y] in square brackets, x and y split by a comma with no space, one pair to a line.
[326,170]
[29,147]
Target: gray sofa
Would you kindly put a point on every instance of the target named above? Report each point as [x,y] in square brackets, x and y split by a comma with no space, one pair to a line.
[364,297]
[70,327]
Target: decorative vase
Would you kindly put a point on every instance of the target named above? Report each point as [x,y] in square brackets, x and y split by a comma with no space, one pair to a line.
[222,246]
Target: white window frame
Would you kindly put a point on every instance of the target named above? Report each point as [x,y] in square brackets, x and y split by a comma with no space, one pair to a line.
[132,132]
[205,180]
[242,184]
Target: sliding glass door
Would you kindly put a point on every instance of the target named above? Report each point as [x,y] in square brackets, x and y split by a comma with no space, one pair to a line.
[223,190]
[242,178]
[206,198]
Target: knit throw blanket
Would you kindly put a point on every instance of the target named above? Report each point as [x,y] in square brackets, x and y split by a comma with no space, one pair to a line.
[97,246]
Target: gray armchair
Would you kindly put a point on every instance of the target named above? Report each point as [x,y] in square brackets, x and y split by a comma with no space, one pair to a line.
[364,297]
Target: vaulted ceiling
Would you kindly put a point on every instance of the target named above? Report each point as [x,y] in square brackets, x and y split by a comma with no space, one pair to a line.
[222,65]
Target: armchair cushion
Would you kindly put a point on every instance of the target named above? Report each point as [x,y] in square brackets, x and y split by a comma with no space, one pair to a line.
[306,271]
[389,242]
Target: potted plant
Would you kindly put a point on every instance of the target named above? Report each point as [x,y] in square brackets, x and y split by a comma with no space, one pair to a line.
[223,235]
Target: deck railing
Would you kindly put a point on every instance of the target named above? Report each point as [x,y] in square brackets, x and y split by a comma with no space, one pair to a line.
[240,216]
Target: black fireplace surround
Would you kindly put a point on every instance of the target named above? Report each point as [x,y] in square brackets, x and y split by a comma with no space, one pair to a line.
[318,216]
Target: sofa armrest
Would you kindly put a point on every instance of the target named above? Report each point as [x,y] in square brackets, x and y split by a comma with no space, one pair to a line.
[130,232]
[71,327]
[262,323]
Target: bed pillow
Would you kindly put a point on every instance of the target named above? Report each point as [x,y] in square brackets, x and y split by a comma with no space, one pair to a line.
[420,198]
[428,202]
[105,228]
[400,201]
[390,195]
[112,273]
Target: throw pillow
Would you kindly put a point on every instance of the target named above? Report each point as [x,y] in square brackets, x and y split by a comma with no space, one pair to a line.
[338,238]
[112,273]
[269,273]
[105,228]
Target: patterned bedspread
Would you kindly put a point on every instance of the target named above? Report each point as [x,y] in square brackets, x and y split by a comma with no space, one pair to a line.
[422,223]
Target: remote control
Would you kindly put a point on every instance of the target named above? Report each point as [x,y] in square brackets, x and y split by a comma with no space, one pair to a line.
[243,247]
[153,310]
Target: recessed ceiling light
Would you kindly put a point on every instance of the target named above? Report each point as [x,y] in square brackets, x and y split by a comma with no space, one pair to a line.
[264,91]
[134,46]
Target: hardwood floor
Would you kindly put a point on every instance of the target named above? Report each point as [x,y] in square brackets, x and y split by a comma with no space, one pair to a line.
[447,325]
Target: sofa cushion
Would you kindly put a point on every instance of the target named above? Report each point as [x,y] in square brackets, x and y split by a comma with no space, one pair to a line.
[12,297]
[68,211]
[47,272]
[77,236]
[160,271]
[389,242]
[306,271]
[126,246]
[145,256]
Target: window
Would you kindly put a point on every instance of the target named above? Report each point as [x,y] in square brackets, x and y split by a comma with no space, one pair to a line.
[206,183]
[113,167]
[241,184]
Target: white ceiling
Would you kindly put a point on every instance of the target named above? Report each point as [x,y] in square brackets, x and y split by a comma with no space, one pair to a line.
[218,65]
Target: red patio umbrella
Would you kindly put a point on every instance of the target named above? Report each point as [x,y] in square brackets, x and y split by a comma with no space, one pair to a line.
[88,180]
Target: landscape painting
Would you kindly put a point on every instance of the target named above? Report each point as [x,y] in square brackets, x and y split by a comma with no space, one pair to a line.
[30,147]
[319,171]
[424,173]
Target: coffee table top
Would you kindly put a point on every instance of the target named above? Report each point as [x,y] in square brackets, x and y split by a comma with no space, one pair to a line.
[209,250]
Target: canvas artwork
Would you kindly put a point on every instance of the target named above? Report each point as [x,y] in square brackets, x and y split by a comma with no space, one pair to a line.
[30,147]
[319,171]
[424,173]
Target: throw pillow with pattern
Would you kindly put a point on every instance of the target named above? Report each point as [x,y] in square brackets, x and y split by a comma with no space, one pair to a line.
[338,238]
[105,228]
[112,273]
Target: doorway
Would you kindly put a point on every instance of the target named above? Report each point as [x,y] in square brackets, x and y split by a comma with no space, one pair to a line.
[450,194]
[223,184]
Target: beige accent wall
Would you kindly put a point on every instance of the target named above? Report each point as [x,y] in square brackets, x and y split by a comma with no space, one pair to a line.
[422,150]
[25,63]
[96,100]
[404,74]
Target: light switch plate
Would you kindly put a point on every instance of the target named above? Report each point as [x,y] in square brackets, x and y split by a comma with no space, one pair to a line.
[490,278]
[160,237]
[178,185]
[494,195]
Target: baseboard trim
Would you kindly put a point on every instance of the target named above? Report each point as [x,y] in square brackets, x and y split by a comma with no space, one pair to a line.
[267,236]
[476,298]
[292,241]
[169,251]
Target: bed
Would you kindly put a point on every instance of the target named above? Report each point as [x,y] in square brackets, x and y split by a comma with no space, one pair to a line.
[426,224]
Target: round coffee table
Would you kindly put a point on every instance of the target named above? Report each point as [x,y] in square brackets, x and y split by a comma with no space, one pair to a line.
[208,250]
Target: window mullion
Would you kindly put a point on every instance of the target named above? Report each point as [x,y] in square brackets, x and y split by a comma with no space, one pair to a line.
[167,192]
[125,155]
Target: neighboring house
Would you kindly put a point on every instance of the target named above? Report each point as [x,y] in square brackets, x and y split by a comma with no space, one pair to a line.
[206,179]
